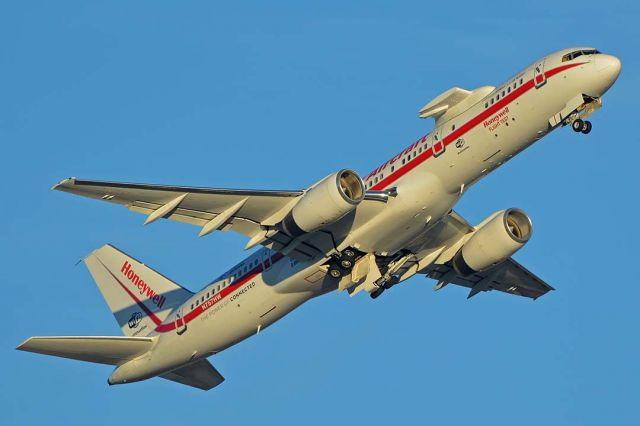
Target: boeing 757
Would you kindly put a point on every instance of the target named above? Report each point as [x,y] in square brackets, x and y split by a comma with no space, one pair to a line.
[345,233]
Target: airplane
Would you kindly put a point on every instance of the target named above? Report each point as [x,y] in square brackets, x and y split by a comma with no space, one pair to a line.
[344,233]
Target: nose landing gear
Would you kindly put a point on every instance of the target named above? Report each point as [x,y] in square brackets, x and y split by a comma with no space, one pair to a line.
[579,125]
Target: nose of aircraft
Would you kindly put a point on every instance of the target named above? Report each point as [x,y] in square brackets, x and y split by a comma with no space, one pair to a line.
[608,69]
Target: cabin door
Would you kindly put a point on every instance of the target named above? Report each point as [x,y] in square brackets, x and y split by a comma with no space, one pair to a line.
[539,78]
[181,324]
[438,142]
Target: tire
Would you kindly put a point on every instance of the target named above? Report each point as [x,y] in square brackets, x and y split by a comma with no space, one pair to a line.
[377,293]
[346,263]
[577,125]
[335,272]
[587,127]
[349,253]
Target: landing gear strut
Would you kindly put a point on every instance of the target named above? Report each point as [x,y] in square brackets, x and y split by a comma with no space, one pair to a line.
[579,125]
[385,284]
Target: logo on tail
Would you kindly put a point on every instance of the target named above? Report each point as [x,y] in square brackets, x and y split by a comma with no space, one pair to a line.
[135,319]
[142,286]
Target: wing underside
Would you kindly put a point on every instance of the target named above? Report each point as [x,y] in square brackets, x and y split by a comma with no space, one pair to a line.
[431,255]
[508,276]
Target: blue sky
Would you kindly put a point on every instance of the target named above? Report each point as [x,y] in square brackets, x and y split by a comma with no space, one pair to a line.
[276,95]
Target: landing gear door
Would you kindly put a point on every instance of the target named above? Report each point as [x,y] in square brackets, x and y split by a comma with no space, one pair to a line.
[181,324]
[539,78]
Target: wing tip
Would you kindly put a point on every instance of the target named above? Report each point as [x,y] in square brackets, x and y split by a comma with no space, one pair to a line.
[23,346]
[63,183]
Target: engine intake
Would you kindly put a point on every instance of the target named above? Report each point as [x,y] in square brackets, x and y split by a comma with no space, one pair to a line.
[495,240]
[325,203]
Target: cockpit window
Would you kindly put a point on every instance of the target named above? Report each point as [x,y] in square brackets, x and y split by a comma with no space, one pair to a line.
[573,55]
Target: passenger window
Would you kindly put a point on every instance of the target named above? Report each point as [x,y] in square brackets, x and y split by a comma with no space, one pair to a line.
[376,179]
[520,81]
[192,306]
[414,154]
[393,168]
[514,84]
[509,89]
[503,93]
[491,101]
[403,161]
[207,295]
[453,127]
[197,302]
[486,104]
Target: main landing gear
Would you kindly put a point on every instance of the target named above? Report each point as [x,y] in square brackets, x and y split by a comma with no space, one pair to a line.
[342,264]
[579,125]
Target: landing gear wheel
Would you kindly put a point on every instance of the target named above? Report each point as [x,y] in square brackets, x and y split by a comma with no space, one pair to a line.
[335,272]
[346,263]
[377,293]
[349,253]
[577,125]
[586,128]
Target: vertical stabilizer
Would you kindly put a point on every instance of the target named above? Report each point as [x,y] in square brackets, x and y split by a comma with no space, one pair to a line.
[139,297]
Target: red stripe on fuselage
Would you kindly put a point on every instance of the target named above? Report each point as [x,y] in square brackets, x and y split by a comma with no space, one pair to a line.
[453,136]
[164,327]
[190,316]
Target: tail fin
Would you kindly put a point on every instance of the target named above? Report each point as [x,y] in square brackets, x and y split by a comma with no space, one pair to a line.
[139,297]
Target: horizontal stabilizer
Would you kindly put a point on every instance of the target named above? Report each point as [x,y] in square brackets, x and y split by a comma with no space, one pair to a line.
[100,349]
[201,375]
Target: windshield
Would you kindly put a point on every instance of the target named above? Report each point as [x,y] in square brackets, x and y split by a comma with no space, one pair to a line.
[575,54]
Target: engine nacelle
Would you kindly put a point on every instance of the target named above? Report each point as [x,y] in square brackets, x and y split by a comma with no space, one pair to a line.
[495,241]
[325,203]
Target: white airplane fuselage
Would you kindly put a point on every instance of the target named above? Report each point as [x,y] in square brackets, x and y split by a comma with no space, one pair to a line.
[429,176]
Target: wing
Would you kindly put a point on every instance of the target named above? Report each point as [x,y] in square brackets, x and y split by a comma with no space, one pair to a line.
[255,214]
[431,255]
[201,375]
[196,206]
[245,211]
[508,276]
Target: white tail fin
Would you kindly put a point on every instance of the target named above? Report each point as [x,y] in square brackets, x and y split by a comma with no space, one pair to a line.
[139,297]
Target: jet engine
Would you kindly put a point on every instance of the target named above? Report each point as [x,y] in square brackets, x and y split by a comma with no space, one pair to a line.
[495,240]
[325,202]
